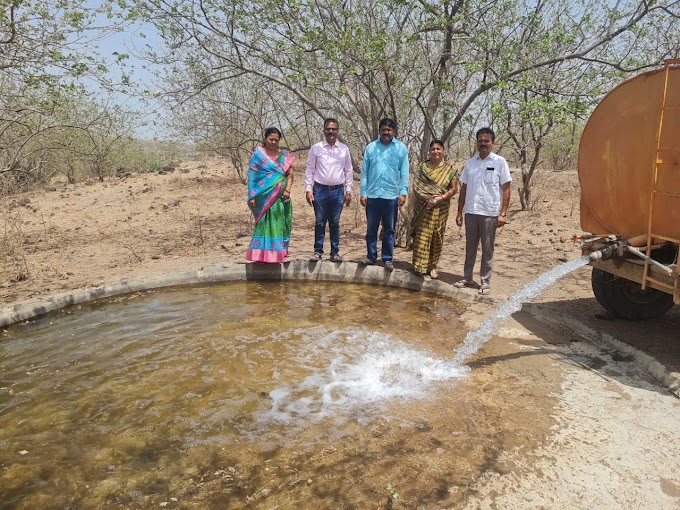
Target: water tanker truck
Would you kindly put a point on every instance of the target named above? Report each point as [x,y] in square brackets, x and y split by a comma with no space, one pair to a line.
[629,172]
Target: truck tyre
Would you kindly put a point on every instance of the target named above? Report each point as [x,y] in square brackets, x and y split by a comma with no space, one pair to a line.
[626,299]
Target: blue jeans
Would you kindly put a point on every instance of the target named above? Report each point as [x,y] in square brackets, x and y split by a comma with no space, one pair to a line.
[328,204]
[377,210]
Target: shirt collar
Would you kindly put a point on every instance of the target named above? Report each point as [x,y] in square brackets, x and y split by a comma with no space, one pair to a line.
[491,155]
[324,143]
[394,141]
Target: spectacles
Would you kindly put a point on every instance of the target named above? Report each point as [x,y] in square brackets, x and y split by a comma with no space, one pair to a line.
[331,129]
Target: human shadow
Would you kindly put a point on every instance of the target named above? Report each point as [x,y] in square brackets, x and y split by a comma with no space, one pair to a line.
[443,276]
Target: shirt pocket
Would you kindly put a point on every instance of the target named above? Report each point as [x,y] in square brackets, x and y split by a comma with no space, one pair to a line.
[490,176]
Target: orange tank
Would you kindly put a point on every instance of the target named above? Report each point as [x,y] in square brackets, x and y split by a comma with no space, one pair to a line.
[621,166]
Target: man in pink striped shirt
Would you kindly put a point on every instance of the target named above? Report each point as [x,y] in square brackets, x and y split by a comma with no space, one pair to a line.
[328,186]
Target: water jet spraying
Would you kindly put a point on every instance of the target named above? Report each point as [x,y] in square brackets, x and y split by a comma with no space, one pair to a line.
[475,339]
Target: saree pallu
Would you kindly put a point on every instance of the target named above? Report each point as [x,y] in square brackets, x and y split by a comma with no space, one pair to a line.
[273,216]
[428,225]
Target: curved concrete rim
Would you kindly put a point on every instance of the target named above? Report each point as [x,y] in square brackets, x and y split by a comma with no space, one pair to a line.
[323,271]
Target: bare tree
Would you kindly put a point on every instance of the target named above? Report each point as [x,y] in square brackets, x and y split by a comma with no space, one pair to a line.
[426,64]
[45,51]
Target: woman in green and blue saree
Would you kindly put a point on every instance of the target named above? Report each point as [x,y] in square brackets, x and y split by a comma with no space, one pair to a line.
[270,179]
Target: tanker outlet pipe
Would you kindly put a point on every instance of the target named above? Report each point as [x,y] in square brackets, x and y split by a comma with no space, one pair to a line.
[608,251]
[617,249]
[637,252]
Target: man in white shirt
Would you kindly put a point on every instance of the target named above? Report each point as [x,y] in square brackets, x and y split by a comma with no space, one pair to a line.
[328,187]
[484,199]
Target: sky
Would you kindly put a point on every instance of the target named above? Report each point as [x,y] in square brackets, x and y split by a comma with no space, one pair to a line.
[132,41]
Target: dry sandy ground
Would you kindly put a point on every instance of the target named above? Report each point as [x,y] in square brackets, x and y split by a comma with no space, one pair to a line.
[71,236]
[616,443]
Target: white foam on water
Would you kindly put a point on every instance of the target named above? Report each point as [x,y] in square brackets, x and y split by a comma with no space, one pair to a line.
[359,369]
[475,339]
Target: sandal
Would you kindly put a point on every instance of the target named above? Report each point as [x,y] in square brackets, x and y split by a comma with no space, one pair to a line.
[485,290]
[433,274]
[462,283]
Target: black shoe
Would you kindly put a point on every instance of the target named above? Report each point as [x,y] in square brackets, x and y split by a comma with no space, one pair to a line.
[336,258]
[389,265]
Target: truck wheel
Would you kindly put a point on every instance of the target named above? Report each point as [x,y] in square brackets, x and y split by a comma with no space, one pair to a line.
[626,299]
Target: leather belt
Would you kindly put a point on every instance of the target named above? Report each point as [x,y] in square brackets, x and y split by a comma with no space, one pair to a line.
[326,186]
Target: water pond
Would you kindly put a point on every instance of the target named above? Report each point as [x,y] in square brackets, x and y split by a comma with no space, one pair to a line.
[258,394]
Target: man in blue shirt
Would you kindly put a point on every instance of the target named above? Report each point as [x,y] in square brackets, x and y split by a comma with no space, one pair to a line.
[384,185]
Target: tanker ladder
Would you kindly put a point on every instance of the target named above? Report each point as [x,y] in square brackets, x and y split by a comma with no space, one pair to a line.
[666,179]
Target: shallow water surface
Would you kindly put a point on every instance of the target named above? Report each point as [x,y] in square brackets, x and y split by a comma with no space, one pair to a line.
[258,394]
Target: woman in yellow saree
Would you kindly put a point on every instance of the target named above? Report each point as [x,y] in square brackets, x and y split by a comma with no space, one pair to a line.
[436,182]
